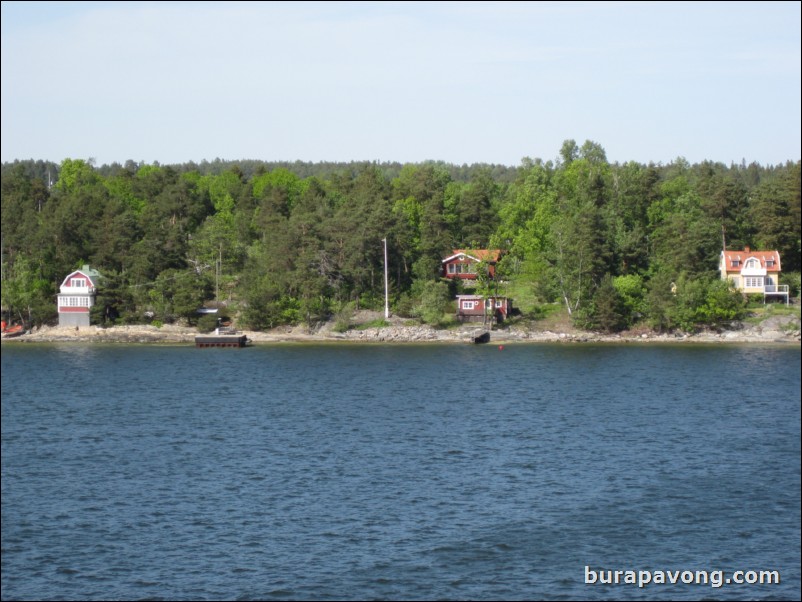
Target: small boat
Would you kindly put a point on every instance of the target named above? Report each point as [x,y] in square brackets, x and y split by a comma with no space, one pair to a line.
[13,331]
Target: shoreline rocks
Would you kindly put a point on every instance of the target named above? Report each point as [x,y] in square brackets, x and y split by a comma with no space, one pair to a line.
[776,329]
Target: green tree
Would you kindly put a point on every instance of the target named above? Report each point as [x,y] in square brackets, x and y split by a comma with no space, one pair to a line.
[577,252]
[434,301]
[606,312]
[423,221]
[26,295]
[661,300]
[476,211]
[114,301]
[684,238]
[632,292]
[775,213]
[633,187]
[526,220]
[177,294]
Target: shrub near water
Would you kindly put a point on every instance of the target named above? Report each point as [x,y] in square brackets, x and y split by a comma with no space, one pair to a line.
[207,323]
[434,302]
[705,303]
[343,317]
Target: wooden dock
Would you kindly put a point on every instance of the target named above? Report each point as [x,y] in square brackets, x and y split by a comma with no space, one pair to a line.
[221,338]
[480,336]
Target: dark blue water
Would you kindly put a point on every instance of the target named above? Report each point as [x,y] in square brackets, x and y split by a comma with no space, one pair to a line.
[387,472]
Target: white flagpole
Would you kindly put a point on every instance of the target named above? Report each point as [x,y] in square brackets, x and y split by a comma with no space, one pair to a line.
[386,285]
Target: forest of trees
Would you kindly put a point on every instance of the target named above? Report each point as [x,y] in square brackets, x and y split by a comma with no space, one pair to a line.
[286,243]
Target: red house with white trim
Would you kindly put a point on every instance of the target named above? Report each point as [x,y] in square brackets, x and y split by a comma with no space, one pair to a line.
[475,308]
[77,296]
[463,264]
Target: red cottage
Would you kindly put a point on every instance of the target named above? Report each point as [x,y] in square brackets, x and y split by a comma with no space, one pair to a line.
[77,296]
[463,264]
[475,308]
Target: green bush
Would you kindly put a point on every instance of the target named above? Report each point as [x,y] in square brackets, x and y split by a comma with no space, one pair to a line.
[404,306]
[207,323]
[794,282]
[343,317]
[632,293]
[434,302]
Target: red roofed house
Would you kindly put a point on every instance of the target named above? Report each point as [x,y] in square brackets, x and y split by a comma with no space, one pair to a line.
[77,296]
[463,264]
[753,272]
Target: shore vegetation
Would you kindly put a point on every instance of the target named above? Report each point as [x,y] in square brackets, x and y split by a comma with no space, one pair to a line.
[603,247]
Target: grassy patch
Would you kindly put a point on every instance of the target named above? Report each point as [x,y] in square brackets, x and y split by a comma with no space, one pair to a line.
[379,323]
[758,313]
[522,295]
[553,316]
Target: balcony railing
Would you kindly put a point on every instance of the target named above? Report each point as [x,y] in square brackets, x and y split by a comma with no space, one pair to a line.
[781,289]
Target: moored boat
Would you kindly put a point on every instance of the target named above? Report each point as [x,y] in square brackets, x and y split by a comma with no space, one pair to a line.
[13,331]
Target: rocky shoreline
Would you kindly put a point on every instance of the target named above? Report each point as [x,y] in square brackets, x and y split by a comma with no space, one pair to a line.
[777,329]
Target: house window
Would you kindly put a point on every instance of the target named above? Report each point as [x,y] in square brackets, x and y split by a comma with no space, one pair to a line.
[79,282]
[468,304]
[770,262]
[735,263]
[74,301]
[452,268]
[752,263]
[753,282]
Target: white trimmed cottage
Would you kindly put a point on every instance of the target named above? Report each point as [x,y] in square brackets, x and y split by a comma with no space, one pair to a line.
[754,272]
[77,296]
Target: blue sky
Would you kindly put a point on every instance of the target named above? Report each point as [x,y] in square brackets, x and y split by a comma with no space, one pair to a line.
[461,82]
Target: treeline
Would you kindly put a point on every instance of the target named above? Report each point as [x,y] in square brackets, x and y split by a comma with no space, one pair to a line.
[284,243]
[48,171]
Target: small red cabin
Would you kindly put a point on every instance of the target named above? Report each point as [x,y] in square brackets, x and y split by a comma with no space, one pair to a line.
[475,308]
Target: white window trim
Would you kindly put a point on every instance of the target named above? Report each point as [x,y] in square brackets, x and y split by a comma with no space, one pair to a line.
[74,301]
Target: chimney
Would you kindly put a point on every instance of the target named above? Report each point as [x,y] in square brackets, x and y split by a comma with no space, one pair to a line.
[747,250]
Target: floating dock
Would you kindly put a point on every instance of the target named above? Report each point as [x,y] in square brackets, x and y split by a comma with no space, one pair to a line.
[221,338]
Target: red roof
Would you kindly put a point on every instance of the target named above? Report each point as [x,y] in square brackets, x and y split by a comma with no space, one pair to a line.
[734,261]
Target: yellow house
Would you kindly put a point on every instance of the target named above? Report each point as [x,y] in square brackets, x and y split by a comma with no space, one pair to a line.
[753,272]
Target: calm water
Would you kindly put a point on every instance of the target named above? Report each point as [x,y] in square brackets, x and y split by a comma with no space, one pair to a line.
[386,472]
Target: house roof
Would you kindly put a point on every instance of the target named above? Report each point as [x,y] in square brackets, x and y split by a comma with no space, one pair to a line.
[489,255]
[742,255]
[93,275]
